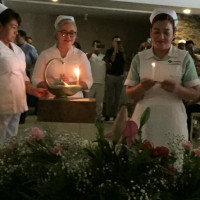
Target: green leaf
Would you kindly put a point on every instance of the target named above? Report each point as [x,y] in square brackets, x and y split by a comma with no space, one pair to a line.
[144,118]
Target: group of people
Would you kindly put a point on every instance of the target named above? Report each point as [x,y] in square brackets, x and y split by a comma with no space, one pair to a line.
[160,77]
[108,76]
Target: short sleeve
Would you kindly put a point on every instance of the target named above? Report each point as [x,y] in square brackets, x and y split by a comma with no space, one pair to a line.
[33,55]
[133,77]
[190,77]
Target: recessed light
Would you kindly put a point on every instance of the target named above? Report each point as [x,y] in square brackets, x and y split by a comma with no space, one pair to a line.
[54,0]
[187,11]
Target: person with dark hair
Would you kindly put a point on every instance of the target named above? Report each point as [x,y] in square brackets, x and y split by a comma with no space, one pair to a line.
[189,46]
[29,50]
[73,58]
[160,78]
[29,40]
[98,68]
[115,58]
[31,57]
[14,81]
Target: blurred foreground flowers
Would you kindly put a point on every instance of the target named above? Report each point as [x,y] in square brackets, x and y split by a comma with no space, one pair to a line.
[118,165]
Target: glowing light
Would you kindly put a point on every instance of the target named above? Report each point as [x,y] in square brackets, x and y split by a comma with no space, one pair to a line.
[153,65]
[187,11]
[77,72]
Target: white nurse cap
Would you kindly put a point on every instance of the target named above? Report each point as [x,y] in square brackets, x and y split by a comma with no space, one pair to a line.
[2,7]
[181,41]
[62,17]
[170,12]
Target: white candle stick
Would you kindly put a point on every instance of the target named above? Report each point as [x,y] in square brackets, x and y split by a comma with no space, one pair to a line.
[153,64]
[77,72]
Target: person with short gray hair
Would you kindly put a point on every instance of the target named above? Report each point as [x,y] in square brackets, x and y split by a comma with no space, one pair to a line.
[65,33]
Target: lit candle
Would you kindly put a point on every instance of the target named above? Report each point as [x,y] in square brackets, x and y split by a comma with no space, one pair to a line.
[77,72]
[153,64]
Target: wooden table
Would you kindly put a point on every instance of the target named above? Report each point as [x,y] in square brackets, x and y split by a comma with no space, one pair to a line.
[73,110]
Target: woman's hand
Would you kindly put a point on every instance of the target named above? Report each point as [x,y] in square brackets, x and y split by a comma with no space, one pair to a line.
[147,83]
[40,92]
[186,93]
[137,92]
[64,78]
[169,85]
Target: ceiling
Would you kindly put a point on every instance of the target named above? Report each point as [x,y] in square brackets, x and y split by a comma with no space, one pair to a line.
[135,9]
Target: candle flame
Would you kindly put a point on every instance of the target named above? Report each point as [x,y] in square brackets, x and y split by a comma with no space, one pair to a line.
[77,71]
[153,64]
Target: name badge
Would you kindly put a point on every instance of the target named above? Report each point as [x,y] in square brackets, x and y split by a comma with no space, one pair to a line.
[174,62]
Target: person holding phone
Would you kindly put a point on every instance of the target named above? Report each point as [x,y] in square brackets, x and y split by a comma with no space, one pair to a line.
[160,78]
[98,67]
[115,58]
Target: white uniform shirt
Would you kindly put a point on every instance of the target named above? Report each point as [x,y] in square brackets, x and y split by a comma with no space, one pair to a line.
[13,77]
[98,67]
[75,58]
[168,117]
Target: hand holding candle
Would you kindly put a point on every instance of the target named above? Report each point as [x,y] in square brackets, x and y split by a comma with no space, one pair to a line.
[77,72]
[153,65]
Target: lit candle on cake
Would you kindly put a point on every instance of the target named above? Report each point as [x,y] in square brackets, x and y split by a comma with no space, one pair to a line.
[77,72]
[153,64]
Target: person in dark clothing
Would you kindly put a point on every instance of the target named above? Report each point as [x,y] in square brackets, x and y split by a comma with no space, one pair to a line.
[115,58]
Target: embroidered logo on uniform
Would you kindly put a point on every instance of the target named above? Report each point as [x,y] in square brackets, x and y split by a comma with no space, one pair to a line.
[174,62]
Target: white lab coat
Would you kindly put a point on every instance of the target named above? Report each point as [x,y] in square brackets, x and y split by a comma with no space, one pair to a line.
[12,77]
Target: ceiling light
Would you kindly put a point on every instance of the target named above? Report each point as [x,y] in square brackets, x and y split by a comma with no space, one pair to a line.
[187,11]
[54,0]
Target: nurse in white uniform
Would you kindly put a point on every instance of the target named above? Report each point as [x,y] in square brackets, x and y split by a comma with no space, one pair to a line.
[14,82]
[65,33]
[160,78]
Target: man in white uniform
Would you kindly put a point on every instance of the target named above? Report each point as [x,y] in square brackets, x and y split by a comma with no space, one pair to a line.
[98,67]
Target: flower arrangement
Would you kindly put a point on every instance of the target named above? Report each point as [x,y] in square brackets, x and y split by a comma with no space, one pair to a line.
[118,165]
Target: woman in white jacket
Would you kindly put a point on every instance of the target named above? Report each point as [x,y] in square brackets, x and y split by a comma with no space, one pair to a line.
[65,33]
[14,82]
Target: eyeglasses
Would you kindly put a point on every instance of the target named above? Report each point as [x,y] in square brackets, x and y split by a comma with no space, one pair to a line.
[65,33]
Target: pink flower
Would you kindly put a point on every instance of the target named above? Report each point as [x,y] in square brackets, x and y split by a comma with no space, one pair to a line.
[187,145]
[119,124]
[57,149]
[197,152]
[36,133]
[130,132]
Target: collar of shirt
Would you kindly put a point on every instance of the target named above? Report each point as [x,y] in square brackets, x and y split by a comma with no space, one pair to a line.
[172,53]
[72,48]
